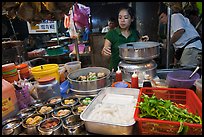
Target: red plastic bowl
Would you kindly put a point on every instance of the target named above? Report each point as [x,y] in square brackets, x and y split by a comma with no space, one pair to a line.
[180,79]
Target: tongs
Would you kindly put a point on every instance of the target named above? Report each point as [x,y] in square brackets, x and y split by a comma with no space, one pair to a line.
[194,72]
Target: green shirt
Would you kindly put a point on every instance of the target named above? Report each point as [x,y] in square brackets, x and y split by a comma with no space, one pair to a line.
[116,38]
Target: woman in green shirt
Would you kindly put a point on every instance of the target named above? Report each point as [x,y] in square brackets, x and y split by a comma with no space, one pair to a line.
[124,33]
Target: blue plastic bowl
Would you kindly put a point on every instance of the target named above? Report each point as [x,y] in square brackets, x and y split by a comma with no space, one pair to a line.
[121,85]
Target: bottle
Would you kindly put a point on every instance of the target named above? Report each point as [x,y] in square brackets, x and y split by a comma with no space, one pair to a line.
[134,80]
[118,75]
[147,82]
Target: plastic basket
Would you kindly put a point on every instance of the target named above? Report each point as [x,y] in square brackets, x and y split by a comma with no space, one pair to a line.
[182,96]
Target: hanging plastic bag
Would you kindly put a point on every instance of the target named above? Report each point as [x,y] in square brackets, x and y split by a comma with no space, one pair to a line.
[71,28]
[80,16]
[66,21]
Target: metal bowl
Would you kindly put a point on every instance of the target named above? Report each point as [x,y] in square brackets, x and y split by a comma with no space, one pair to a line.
[88,86]
[139,51]
[81,100]
[75,109]
[47,113]
[54,113]
[73,125]
[50,130]
[32,129]
[56,101]
[12,126]
[37,103]
[76,101]
[24,113]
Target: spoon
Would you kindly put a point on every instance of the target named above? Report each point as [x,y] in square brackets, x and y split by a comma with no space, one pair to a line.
[194,72]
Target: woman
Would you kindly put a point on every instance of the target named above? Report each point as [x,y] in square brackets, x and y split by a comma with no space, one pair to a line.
[124,33]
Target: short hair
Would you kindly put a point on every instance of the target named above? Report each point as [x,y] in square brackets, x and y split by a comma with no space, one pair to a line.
[162,9]
[112,19]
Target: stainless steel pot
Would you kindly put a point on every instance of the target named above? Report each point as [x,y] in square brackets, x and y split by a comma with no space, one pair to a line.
[24,113]
[88,86]
[128,69]
[12,126]
[139,51]
[54,113]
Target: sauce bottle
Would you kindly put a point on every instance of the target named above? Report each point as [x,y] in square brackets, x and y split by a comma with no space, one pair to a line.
[147,82]
[118,75]
[134,80]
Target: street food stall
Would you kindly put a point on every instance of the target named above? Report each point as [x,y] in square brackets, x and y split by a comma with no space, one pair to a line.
[74,98]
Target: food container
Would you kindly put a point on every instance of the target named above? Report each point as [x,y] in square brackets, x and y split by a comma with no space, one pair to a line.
[121,84]
[31,129]
[46,109]
[72,66]
[47,87]
[185,97]
[78,109]
[56,101]
[70,101]
[12,126]
[9,72]
[84,87]
[139,51]
[46,70]
[50,126]
[86,100]
[24,113]
[24,70]
[198,84]
[73,125]
[113,98]
[59,112]
[36,104]
[159,83]
[9,101]
[54,50]
[180,79]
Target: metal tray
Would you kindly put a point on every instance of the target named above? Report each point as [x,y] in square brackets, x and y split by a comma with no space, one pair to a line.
[107,128]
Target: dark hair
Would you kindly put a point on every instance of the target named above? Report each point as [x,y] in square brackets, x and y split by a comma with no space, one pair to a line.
[132,15]
[162,9]
[112,19]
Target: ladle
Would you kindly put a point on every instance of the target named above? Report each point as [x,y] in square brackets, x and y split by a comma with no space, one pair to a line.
[194,72]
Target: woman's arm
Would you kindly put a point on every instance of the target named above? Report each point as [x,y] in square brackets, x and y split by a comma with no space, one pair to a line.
[106,51]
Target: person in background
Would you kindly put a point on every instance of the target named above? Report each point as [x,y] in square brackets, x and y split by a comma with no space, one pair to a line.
[111,25]
[124,33]
[183,34]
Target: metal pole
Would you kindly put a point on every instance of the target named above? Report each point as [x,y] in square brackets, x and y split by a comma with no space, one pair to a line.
[57,33]
[13,29]
[76,48]
[168,36]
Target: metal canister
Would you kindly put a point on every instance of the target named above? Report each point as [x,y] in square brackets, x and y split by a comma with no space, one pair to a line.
[47,87]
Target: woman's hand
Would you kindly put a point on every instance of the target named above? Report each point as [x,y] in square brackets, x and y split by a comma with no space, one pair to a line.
[144,38]
[106,51]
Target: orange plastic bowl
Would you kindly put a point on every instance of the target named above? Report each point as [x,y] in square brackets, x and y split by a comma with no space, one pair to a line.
[121,84]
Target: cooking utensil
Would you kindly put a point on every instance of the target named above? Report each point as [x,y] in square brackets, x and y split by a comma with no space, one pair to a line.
[139,51]
[84,87]
[12,126]
[197,68]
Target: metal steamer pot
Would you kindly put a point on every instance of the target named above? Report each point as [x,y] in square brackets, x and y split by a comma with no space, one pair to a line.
[88,87]
[138,52]
[148,67]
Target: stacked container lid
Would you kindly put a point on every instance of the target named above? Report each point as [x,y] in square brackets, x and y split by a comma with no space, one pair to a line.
[24,70]
[9,72]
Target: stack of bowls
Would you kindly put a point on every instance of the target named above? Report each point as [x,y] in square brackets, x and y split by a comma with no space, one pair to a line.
[9,72]
[24,70]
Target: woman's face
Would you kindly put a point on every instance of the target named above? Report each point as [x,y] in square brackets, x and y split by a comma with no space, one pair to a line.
[124,19]
[163,18]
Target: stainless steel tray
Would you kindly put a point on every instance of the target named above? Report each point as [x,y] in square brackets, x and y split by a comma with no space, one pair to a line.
[107,128]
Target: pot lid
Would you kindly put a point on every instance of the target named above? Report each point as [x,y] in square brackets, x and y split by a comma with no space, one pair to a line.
[130,67]
[140,45]
[21,66]
[46,79]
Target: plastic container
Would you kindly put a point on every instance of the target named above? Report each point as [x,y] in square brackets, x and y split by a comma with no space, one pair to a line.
[81,47]
[180,79]
[121,84]
[9,101]
[198,84]
[46,70]
[71,66]
[24,70]
[54,50]
[47,87]
[182,96]
[134,81]
[9,72]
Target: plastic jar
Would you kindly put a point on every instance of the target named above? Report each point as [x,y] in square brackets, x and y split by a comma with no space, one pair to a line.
[47,87]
